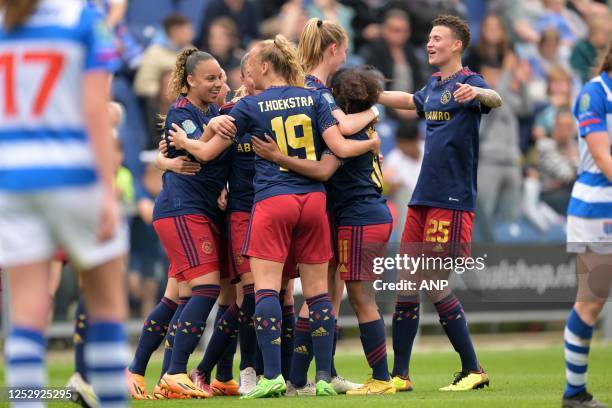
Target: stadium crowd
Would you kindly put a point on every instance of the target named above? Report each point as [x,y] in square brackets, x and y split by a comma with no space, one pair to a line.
[535,53]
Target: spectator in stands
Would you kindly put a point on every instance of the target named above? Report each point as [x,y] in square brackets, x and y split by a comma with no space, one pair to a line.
[585,53]
[422,13]
[395,58]
[493,46]
[158,60]
[558,159]
[559,96]
[522,15]
[290,21]
[129,49]
[334,11]
[402,165]
[244,13]
[548,54]
[223,43]
[568,23]
[499,166]
[366,23]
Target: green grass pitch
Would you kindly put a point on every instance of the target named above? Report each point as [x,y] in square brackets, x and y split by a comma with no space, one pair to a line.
[521,378]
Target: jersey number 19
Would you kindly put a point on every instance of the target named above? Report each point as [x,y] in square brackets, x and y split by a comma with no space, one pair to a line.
[286,135]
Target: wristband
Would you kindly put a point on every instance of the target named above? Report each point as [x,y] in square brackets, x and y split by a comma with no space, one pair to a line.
[375,110]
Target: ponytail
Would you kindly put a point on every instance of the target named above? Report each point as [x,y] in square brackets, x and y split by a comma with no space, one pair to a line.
[16,13]
[282,55]
[316,37]
[240,93]
[186,63]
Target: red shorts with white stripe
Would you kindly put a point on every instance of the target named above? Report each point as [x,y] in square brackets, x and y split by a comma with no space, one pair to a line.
[437,232]
[191,243]
[357,248]
[291,219]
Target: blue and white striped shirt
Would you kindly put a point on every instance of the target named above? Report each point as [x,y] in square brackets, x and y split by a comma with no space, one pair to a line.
[592,192]
[43,142]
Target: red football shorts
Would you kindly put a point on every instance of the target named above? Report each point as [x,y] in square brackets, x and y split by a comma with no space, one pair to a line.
[357,248]
[226,271]
[237,229]
[333,262]
[437,232]
[279,221]
[191,243]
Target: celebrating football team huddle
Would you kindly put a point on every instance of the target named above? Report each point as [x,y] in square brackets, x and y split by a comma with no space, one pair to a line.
[290,187]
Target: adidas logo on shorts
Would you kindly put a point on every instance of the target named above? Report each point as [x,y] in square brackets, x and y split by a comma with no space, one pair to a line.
[320,332]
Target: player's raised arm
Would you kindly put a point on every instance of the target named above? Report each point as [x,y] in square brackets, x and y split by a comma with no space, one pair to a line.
[344,148]
[397,100]
[487,97]
[349,124]
[320,170]
[204,151]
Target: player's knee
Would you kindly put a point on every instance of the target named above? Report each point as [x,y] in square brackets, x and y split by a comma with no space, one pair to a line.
[359,300]
[589,311]
[227,295]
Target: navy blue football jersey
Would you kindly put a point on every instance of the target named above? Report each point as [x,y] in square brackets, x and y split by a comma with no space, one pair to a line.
[355,189]
[315,83]
[242,170]
[448,173]
[295,118]
[196,194]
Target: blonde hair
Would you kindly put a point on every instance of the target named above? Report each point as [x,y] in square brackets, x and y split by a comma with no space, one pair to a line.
[314,40]
[282,55]
[185,65]
[16,13]
[240,93]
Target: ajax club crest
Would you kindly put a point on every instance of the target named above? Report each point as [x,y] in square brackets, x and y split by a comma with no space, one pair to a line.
[207,247]
[446,97]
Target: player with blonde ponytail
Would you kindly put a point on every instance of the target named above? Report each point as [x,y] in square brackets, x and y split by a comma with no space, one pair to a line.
[322,51]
